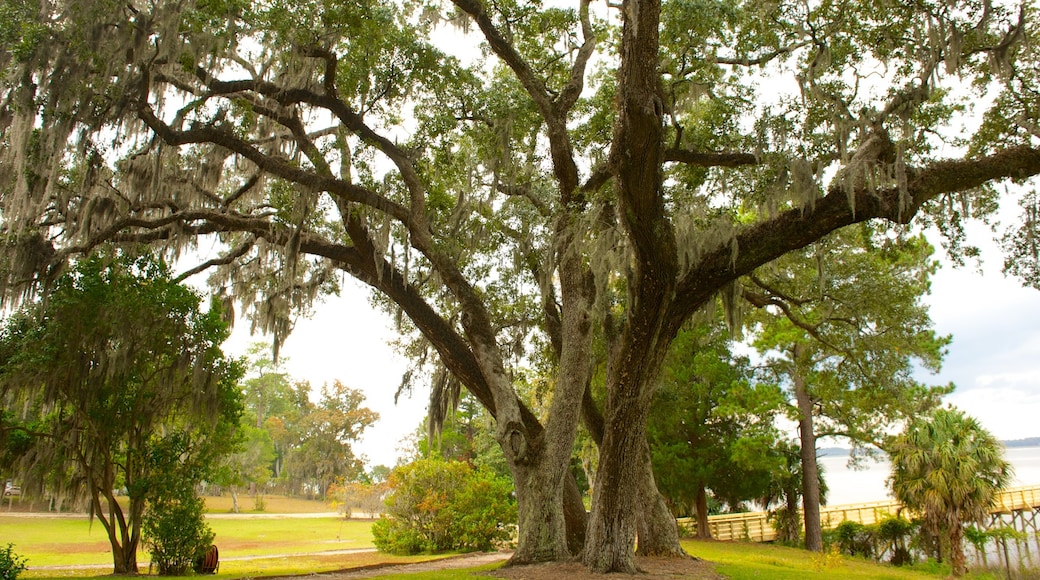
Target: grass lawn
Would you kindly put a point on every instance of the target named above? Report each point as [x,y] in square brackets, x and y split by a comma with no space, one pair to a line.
[47,541]
[288,546]
[740,560]
[273,504]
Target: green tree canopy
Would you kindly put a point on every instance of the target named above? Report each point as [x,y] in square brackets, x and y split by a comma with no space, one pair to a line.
[843,323]
[592,172]
[711,425]
[117,363]
[950,469]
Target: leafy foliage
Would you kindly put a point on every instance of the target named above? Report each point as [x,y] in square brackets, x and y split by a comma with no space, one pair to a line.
[175,531]
[570,177]
[711,423]
[122,379]
[437,506]
[11,564]
[949,468]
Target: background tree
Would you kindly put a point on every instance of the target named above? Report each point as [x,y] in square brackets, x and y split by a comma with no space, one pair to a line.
[115,364]
[327,431]
[847,329]
[249,464]
[785,491]
[515,194]
[950,469]
[711,425]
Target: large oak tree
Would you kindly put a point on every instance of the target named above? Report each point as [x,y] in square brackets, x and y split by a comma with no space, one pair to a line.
[591,172]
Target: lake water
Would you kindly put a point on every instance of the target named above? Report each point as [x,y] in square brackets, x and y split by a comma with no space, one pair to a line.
[847,486]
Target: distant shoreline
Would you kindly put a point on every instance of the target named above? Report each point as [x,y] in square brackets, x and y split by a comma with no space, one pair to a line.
[1009,444]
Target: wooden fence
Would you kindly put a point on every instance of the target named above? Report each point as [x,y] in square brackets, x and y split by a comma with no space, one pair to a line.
[756,527]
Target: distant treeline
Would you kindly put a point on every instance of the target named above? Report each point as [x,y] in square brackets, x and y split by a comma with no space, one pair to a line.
[1027,442]
[842,451]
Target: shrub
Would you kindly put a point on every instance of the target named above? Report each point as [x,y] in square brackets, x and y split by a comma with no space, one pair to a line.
[11,564]
[897,531]
[437,506]
[175,533]
[855,539]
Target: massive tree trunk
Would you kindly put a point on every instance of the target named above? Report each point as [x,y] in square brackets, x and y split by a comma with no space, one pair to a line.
[810,470]
[624,463]
[612,527]
[546,467]
[657,531]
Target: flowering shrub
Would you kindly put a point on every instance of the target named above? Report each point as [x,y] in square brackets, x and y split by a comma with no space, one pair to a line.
[437,506]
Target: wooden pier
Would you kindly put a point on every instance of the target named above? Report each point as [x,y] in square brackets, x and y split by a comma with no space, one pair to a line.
[1020,505]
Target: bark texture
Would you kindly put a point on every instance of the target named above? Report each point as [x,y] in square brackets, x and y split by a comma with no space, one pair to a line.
[810,469]
[703,529]
[657,531]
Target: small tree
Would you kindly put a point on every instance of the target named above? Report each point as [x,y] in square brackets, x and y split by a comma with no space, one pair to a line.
[174,530]
[711,425]
[436,506]
[118,362]
[11,564]
[949,468]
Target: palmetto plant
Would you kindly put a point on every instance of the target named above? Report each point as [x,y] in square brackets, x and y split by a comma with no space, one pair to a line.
[949,469]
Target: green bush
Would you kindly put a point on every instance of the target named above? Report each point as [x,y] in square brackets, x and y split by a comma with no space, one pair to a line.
[437,506]
[855,539]
[175,533]
[897,531]
[11,564]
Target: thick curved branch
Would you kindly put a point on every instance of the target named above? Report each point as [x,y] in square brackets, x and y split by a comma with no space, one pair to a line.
[763,58]
[570,93]
[710,158]
[276,166]
[501,46]
[796,228]
[553,113]
[346,115]
[228,258]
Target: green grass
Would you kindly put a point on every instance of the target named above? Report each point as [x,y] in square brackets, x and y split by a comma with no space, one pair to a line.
[49,541]
[739,560]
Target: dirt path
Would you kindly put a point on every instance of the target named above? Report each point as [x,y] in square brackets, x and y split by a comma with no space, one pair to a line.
[464,561]
[650,569]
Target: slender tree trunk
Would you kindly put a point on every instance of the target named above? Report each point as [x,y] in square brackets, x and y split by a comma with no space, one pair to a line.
[810,469]
[957,559]
[703,527]
[121,537]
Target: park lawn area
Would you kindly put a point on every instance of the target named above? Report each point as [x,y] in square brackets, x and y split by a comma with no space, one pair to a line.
[70,541]
[273,504]
[740,560]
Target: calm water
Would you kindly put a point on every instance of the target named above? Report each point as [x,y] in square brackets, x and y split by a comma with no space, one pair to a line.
[857,486]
